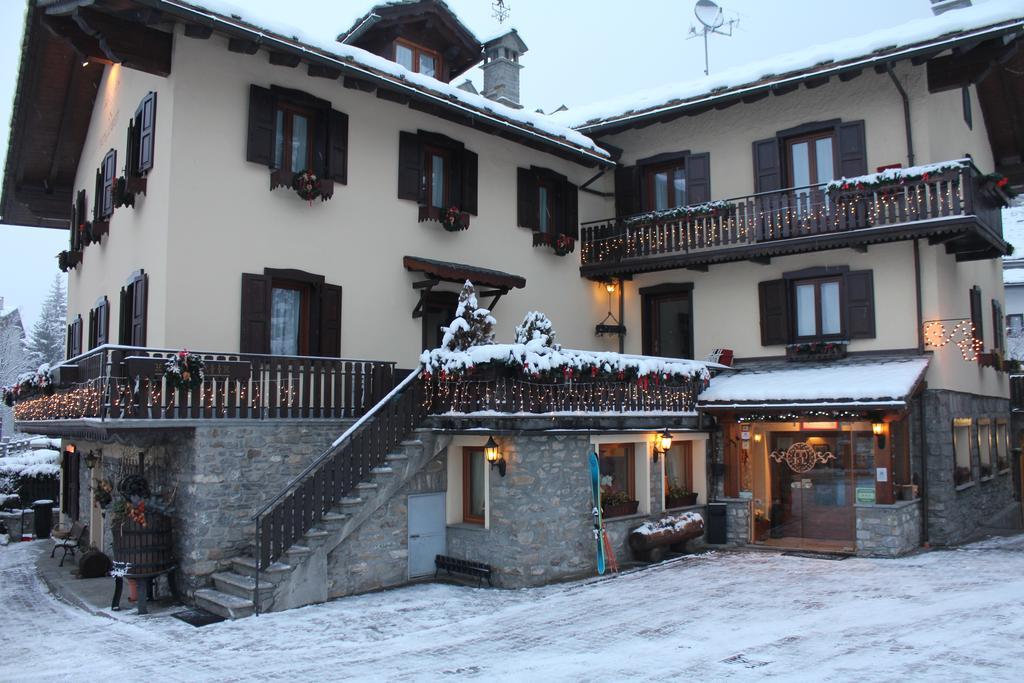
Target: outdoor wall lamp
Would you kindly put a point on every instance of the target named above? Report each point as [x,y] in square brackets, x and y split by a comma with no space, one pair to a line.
[92,458]
[757,437]
[610,286]
[878,429]
[663,444]
[493,456]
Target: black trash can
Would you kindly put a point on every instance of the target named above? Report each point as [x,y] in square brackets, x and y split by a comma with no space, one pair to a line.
[42,512]
[717,532]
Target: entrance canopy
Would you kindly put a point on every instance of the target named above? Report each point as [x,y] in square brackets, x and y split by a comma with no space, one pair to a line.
[851,384]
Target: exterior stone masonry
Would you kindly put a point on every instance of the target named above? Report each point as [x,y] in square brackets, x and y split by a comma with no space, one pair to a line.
[888,530]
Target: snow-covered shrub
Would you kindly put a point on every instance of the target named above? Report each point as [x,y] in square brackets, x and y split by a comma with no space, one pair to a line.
[472,326]
[536,327]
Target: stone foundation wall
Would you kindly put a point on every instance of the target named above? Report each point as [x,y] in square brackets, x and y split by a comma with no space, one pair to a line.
[888,530]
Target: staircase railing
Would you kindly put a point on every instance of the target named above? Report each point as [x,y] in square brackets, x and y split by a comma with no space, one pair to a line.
[334,474]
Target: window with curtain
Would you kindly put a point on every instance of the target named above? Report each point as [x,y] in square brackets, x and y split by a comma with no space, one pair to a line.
[818,308]
[285,321]
[666,186]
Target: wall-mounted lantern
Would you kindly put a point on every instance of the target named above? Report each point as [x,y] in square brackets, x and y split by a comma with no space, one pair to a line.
[493,455]
[92,458]
[663,444]
[878,429]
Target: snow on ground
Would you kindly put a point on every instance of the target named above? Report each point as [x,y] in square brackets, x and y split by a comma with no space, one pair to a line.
[945,615]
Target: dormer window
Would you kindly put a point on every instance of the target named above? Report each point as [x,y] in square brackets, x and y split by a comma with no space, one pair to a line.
[418,59]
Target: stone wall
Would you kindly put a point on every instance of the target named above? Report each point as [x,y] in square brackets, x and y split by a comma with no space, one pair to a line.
[956,513]
[737,520]
[888,530]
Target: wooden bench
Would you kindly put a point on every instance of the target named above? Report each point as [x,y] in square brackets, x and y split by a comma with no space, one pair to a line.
[466,567]
[68,540]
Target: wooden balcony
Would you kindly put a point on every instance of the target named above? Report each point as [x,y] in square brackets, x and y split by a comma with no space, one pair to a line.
[959,208]
[125,387]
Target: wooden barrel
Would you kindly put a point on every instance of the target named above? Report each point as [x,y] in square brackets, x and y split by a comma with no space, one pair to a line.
[145,549]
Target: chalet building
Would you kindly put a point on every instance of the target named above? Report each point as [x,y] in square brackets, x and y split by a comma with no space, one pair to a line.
[822,230]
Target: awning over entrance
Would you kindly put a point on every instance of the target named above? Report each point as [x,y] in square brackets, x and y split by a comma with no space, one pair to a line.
[859,383]
[460,272]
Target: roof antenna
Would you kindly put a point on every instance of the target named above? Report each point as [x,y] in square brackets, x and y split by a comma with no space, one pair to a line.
[712,20]
[499,10]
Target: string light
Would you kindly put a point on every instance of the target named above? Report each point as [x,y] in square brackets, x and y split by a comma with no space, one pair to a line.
[937,336]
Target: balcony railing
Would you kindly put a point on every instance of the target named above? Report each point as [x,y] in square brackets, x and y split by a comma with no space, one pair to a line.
[745,224]
[128,383]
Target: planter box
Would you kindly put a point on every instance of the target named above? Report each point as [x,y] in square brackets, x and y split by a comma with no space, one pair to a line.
[797,355]
[681,501]
[620,510]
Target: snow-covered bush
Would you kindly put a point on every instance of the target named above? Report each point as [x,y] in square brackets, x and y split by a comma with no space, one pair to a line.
[472,326]
[536,326]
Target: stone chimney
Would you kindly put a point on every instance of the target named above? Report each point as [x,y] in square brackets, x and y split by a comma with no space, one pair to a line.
[501,68]
[940,6]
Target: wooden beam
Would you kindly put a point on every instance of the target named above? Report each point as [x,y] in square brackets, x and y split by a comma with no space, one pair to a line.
[763,260]
[426,284]
[353,83]
[850,74]
[242,46]
[392,96]
[198,31]
[321,71]
[284,59]
[755,96]
[124,42]
[785,88]
[816,82]
[66,115]
[699,267]
[859,248]
[946,237]
[957,70]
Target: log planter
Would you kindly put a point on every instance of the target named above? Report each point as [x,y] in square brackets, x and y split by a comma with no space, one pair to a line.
[681,501]
[146,550]
[620,509]
[650,541]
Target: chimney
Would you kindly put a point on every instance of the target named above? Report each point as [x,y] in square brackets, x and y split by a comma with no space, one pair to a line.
[501,68]
[940,6]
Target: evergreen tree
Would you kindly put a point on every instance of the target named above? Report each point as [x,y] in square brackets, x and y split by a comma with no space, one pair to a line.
[472,326]
[536,325]
[49,335]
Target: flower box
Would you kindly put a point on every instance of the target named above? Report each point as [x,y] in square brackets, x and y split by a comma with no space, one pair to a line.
[451,219]
[562,245]
[815,351]
[680,501]
[620,509]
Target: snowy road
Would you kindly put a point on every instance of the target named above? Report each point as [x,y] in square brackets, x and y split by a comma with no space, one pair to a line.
[947,615]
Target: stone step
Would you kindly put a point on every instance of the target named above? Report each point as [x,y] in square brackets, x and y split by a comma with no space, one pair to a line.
[299,551]
[411,443]
[395,457]
[246,566]
[313,534]
[366,486]
[224,604]
[349,502]
[382,470]
[239,585]
[334,517]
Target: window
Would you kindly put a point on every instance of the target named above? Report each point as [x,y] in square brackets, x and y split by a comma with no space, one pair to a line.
[474,482]
[977,317]
[617,471]
[139,149]
[75,337]
[962,473]
[663,181]
[810,159]
[547,202]
[667,312]
[1002,446]
[665,185]
[1015,324]
[438,310]
[679,469]
[291,131]
[809,154]
[134,305]
[985,447]
[436,172]
[99,323]
[417,59]
[106,181]
[817,306]
[290,313]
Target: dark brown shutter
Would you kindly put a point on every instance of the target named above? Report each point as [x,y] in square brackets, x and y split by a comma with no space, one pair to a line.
[571,203]
[627,196]
[140,305]
[69,345]
[97,200]
[998,326]
[337,157]
[73,233]
[124,319]
[698,178]
[977,317]
[774,300]
[109,179]
[145,121]
[92,328]
[469,181]
[103,322]
[853,157]
[860,305]
[131,149]
[526,199]
[75,337]
[262,123]
[410,163]
[321,125]
[767,165]
[255,327]
[330,321]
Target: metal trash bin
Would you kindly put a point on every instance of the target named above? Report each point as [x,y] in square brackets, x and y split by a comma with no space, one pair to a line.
[42,512]
[717,529]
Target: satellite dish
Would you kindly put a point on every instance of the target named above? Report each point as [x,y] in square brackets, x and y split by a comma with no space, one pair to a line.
[709,14]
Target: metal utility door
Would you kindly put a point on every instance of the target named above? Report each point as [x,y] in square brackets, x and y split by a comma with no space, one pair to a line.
[426,532]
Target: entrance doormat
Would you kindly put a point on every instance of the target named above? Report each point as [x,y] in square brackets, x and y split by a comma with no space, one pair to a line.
[816,556]
[198,617]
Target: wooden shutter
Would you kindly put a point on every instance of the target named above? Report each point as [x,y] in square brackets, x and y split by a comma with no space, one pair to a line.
[998,326]
[255,324]
[767,166]
[97,201]
[977,317]
[92,329]
[571,208]
[337,156]
[627,195]
[259,146]
[853,156]
[74,233]
[410,163]
[140,305]
[698,178]
[526,199]
[103,322]
[330,321]
[109,179]
[774,300]
[75,337]
[124,320]
[145,122]
[860,305]
[468,162]
[131,149]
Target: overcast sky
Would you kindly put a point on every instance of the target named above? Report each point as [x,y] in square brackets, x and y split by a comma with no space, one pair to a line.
[579,51]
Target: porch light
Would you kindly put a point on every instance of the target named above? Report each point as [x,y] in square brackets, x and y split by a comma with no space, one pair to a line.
[663,445]
[92,458]
[85,63]
[757,437]
[493,456]
[878,429]
[610,286]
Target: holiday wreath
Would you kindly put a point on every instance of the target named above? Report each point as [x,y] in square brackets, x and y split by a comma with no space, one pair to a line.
[307,185]
[453,220]
[184,371]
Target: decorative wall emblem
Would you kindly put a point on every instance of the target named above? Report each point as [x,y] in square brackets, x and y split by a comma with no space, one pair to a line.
[801,457]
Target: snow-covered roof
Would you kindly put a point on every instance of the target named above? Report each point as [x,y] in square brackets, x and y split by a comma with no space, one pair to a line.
[995,15]
[849,382]
[319,40]
[1013,232]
